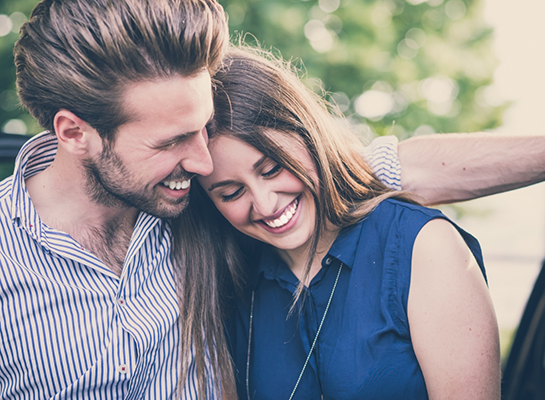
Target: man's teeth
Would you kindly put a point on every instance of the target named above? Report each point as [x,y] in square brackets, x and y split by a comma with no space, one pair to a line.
[177,185]
[284,218]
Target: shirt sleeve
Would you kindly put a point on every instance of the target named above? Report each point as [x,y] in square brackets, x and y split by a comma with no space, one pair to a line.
[381,155]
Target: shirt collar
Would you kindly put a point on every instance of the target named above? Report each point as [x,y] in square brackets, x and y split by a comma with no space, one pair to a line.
[343,249]
[35,156]
[345,246]
[271,265]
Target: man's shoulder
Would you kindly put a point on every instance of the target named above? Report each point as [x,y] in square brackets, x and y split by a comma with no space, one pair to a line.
[5,195]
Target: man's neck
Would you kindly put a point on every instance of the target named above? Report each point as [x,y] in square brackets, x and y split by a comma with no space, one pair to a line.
[59,197]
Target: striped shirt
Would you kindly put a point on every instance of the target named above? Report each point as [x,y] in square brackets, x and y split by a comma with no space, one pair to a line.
[70,327]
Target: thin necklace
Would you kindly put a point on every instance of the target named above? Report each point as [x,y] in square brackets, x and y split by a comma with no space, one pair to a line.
[311,348]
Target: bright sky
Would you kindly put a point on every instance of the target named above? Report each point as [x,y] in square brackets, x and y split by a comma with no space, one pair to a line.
[513,237]
[520,45]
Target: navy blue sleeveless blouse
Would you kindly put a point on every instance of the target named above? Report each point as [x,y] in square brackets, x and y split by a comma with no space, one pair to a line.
[364,350]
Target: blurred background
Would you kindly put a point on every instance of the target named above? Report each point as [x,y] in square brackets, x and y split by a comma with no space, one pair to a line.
[401,67]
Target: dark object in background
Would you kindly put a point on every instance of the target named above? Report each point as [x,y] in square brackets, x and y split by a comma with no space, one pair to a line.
[524,372]
[10,145]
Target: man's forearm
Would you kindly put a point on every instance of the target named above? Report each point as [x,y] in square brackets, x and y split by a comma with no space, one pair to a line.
[446,168]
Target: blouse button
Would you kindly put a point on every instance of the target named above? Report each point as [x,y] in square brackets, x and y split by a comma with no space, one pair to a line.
[328,260]
[122,369]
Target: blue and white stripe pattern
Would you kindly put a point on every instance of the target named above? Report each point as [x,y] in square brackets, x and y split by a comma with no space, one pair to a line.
[71,328]
[381,155]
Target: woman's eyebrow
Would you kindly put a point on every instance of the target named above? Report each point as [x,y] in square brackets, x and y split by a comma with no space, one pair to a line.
[222,183]
[258,163]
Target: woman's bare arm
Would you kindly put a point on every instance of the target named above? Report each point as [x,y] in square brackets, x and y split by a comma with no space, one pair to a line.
[452,321]
[446,168]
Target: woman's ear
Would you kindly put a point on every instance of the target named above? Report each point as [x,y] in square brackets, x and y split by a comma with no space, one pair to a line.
[74,134]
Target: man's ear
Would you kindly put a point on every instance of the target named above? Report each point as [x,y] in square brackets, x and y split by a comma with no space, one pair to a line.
[75,135]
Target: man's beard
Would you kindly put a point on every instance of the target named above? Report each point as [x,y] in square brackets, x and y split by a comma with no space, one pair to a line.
[110,184]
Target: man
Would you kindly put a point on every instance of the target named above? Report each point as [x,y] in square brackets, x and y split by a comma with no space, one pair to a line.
[86,288]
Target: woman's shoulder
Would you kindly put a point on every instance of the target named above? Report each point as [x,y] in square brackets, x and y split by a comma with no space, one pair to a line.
[398,207]
[399,223]
[397,214]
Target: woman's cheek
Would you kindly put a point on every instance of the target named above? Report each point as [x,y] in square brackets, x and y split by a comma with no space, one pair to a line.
[235,215]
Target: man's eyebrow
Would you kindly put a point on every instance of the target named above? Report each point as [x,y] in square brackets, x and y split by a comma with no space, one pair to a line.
[181,136]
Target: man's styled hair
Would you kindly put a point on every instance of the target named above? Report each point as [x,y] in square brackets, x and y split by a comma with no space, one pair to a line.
[79,55]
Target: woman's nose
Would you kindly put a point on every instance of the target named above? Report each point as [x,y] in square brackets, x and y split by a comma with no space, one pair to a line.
[265,202]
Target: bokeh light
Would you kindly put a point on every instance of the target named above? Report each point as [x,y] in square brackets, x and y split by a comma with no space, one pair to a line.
[320,38]
[5,25]
[15,126]
[455,9]
[329,6]
[374,104]
[236,14]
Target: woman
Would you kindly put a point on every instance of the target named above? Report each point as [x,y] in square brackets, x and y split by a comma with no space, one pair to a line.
[346,289]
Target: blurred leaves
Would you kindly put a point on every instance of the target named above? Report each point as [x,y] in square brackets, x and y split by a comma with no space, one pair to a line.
[13,119]
[396,66]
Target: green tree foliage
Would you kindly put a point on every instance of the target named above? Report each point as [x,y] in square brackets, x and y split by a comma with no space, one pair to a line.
[393,66]
[13,118]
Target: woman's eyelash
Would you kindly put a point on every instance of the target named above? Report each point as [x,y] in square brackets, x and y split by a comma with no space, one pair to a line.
[233,196]
[228,197]
[273,171]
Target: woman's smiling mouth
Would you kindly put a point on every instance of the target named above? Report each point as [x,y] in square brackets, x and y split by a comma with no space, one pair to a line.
[283,219]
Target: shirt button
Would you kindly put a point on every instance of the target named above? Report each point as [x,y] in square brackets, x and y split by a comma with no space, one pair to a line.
[122,369]
[121,301]
[328,260]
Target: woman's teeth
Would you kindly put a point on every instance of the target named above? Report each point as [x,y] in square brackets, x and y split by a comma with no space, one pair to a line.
[284,218]
[177,185]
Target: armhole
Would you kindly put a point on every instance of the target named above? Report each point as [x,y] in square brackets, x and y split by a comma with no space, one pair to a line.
[400,263]
[401,272]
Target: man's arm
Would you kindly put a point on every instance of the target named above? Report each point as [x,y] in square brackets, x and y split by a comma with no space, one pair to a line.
[445,168]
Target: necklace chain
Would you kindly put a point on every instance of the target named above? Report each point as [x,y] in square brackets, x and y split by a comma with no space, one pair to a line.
[311,348]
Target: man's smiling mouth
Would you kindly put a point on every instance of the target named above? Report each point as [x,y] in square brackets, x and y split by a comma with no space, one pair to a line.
[177,185]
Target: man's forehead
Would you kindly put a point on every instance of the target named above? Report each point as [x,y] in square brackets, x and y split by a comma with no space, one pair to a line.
[186,96]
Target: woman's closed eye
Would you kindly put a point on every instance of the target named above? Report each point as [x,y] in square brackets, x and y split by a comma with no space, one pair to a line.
[275,170]
[268,171]
[232,196]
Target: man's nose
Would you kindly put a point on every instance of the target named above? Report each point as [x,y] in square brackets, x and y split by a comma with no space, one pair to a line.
[198,160]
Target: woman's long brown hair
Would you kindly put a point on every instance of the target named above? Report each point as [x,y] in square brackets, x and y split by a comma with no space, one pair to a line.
[261,100]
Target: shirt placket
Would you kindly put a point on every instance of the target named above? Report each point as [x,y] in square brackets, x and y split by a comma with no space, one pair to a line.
[308,328]
[124,347]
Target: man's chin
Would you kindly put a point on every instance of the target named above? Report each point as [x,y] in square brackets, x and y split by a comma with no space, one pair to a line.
[167,209]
